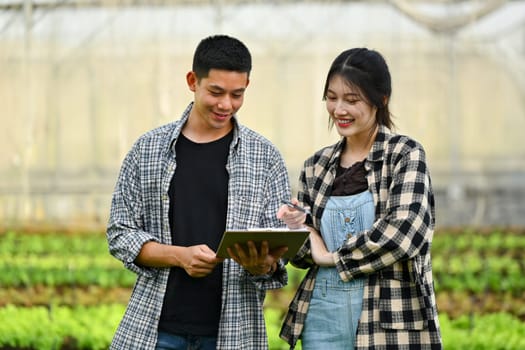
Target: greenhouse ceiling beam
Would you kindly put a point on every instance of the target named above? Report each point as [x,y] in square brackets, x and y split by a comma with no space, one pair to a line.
[50,4]
[451,23]
[18,5]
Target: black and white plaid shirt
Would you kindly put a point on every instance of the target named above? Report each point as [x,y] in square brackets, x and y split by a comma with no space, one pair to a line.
[258,181]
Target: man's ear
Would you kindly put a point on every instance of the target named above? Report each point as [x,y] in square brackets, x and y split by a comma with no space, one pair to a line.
[191,80]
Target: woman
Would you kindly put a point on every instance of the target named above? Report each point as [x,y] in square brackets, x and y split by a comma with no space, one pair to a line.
[369,284]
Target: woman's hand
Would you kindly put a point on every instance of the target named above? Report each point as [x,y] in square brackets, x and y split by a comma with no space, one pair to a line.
[320,253]
[292,217]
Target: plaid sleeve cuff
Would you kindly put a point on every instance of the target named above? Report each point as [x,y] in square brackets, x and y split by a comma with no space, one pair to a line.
[339,265]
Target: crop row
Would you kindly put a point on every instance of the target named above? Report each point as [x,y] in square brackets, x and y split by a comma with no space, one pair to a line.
[56,270]
[83,260]
[77,281]
[444,242]
[468,262]
[19,276]
[56,327]
[470,272]
[41,328]
[13,243]
[482,242]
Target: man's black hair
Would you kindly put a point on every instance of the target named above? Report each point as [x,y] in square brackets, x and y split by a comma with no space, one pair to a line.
[221,52]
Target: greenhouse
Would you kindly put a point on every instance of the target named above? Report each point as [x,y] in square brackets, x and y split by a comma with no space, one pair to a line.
[81,80]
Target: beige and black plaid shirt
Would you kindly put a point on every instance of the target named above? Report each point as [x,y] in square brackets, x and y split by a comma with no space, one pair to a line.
[399,308]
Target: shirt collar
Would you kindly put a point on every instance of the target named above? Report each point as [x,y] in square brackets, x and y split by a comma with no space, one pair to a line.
[380,144]
[376,153]
[184,118]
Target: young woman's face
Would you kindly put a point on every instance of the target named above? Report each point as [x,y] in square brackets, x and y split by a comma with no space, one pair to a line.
[352,115]
[217,98]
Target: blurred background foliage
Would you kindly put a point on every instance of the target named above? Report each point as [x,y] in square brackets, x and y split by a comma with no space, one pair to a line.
[54,285]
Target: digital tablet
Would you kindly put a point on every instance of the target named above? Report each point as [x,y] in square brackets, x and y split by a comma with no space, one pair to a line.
[276,237]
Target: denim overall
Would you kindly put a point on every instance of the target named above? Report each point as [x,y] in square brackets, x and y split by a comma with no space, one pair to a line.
[335,308]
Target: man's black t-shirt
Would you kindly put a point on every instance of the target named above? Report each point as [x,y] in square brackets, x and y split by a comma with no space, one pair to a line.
[198,204]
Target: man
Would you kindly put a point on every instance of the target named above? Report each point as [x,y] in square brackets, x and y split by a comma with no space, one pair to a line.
[179,188]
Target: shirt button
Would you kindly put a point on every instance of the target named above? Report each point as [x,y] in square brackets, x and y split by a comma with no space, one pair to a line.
[347,220]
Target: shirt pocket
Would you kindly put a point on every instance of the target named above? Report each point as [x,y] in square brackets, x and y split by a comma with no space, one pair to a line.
[401,305]
[247,210]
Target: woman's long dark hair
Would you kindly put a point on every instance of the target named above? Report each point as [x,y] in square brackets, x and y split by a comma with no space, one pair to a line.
[367,71]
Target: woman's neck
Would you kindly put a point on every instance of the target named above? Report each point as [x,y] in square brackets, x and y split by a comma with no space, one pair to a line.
[357,147]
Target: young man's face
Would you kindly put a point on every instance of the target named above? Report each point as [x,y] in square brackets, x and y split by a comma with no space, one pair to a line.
[217,98]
